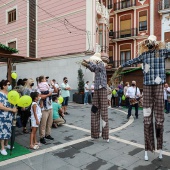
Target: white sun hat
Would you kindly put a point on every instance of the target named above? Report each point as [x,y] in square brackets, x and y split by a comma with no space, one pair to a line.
[152,38]
[95,58]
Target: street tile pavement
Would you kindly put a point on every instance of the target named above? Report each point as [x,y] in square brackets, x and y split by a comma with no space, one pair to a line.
[98,154]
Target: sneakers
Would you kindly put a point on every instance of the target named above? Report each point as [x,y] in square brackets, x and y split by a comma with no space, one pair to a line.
[42,140]
[8,147]
[109,107]
[49,137]
[4,152]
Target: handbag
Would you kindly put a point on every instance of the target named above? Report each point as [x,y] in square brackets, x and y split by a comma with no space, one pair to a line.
[133,101]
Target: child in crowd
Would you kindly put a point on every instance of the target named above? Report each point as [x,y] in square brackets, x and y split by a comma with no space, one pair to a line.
[58,116]
[35,119]
[44,89]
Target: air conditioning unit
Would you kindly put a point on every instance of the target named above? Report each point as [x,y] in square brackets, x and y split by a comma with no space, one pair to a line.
[168,45]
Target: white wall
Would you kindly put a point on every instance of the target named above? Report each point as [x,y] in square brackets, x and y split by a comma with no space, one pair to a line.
[56,68]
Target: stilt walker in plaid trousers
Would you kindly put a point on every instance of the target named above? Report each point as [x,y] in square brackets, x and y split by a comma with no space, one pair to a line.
[153,55]
[99,102]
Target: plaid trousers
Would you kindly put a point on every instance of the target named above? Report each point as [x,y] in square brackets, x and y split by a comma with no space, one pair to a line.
[153,104]
[100,101]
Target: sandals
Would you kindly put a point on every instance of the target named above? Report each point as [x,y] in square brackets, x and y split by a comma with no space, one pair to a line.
[35,147]
[39,144]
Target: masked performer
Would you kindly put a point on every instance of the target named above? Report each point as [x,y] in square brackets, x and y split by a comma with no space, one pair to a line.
[99,102]
[153,57]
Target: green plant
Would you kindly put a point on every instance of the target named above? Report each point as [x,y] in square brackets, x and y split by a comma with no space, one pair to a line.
[80,81]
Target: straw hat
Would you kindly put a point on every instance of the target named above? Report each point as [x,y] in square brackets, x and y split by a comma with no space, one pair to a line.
[96,58]
[152,38]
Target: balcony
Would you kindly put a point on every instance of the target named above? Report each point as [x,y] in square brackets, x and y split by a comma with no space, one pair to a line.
[110,6]
[124,4]
[123,33]
[164,6]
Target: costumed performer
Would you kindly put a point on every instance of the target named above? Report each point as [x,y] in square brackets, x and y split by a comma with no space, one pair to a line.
[99,102]
[153,55]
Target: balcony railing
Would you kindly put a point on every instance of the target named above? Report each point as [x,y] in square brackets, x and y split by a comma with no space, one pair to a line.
[104,49]
[117,63]
[164,4]
[110,6]
[123,33]
[124,4]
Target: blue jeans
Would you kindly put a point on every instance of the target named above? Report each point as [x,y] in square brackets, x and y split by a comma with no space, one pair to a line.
[130,109]
[120,101]
[86,95]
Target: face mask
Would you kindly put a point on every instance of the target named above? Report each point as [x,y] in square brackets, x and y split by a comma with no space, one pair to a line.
[9,88]
[32,84]
[150,46]
[133,84]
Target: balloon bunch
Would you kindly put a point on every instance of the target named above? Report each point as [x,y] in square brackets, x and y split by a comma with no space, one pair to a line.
[15,99]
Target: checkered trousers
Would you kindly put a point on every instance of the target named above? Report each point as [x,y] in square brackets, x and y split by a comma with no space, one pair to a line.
[153,98]
[100,101]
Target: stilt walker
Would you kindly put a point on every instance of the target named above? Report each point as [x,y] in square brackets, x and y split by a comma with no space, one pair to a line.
[99,102]
[153,55]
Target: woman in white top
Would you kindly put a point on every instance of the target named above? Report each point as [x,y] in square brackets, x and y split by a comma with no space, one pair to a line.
[124,91]
[35,119]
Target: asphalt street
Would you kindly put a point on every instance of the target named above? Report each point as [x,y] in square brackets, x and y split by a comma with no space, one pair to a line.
[73,149]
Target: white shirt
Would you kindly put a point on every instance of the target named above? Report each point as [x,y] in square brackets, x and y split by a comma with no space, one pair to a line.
[167,94]
[38,111]
[131,92]
[92,88]
[86,88]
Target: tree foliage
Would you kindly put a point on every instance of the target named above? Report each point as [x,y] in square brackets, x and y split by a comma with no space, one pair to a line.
[80,81]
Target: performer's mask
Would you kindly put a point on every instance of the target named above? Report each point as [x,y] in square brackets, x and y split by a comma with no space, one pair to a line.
[150,44]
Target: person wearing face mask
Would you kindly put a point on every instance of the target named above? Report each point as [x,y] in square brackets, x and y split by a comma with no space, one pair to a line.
[153,55]
[25,112]
[65,93]
[6,116]
[133,94]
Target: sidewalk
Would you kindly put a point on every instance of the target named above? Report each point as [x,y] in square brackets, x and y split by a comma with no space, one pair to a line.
[73,149]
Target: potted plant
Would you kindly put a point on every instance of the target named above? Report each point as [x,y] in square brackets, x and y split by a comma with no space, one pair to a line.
[79,97]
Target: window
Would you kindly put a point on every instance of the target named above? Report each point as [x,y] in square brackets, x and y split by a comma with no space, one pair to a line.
[124,56]
[142,20]
[167,37]
[12,44]
[12,16]
[125,28]
[166,4]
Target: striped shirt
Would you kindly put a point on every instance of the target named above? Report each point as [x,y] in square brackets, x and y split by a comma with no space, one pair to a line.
[100,74]
[153,66]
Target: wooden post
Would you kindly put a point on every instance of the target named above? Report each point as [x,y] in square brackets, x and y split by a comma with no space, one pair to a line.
[9,69]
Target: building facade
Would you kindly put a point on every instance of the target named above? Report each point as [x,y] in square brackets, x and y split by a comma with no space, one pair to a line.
[131,21]
[62,33]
